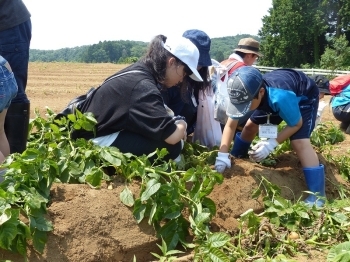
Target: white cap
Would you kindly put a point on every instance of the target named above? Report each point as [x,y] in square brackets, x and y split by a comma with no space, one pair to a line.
[187,52]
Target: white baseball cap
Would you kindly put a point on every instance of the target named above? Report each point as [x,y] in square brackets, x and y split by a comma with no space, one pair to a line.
[187,52]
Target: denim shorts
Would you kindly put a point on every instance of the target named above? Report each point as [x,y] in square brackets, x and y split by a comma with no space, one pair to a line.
[8,85]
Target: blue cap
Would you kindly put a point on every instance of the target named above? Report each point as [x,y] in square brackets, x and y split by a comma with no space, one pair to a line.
[242,86]
[202,41]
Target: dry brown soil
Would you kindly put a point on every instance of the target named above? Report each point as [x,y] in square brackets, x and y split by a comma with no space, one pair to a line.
[93,225]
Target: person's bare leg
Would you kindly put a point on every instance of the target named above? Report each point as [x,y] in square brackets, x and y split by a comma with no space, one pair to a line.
[305,152]
[4,144]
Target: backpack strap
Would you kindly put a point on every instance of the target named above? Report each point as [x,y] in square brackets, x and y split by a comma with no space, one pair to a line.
[231,65]
[238,64]
[82,98]
[125,73]
[78,102]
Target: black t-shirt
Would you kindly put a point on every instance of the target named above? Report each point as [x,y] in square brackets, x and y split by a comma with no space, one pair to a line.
[130,102]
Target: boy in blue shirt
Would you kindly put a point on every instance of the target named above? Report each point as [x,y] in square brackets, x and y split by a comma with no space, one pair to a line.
[283,94]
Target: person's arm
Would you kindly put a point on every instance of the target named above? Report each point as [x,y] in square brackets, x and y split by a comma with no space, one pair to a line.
[223,159]
[178,134]
[227,135]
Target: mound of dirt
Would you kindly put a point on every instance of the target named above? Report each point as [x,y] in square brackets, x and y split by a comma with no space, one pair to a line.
[93,225]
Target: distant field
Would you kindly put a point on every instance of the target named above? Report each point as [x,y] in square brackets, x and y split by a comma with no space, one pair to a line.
[53,85]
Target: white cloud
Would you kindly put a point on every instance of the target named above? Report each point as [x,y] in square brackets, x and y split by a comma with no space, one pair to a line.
[69,23]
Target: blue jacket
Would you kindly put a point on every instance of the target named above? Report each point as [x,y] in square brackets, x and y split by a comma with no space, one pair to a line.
[343,98]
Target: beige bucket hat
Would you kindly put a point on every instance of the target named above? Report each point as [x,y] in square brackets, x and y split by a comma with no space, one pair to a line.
[248,45]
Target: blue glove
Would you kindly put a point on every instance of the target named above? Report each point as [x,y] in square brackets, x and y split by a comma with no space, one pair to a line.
[262,149]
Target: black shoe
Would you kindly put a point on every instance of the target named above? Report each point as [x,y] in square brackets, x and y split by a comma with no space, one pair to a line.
[344,125]
[16,126]
[347,131]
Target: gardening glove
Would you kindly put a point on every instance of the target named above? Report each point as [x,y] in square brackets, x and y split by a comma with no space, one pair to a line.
[321,107]
[262,149]
[222,161]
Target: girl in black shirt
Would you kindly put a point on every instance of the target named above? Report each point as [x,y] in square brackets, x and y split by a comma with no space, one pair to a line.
[130,110]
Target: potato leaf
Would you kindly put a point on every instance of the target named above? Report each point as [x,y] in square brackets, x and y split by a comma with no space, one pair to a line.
[151,188]
[126,197]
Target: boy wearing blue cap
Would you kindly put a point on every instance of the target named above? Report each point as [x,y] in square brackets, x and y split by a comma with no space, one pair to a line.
[283,94]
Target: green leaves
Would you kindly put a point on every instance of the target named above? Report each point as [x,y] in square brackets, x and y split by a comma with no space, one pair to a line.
[151,188]
[83,121]
[112,155]
[174,199]
[9,230]
[126,197]
[218,239]
[326,133]
[166,253]
[339,253]
[50,155]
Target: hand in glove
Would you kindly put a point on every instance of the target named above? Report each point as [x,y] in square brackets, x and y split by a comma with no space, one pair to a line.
[222,161]
[262,149]
[321,107]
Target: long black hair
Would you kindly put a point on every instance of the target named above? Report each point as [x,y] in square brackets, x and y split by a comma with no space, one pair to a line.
[156,57]
[195,85]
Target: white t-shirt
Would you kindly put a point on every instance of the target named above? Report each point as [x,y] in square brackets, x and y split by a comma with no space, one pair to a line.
[105,140]
[237,57]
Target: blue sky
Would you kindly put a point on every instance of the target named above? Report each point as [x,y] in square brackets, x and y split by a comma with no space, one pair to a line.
[70,23]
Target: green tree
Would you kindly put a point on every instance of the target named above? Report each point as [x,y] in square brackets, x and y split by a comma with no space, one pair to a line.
[293,33]
[125,51]
[221,48]
[338,57]
[219,56]
[99,56]
[138,50]
[339,18]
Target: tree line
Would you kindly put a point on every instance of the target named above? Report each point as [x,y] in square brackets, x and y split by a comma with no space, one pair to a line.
[295,34]
[307,34]
[124,52]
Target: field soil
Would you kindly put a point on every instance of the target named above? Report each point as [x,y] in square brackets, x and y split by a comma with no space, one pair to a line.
[93,225]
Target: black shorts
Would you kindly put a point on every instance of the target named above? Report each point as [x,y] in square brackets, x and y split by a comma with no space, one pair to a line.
[308,111]
[342,113]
